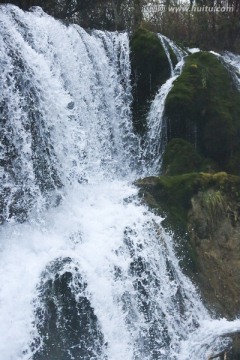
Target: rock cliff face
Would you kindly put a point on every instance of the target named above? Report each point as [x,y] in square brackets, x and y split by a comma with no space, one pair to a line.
[214,228]
[204,210]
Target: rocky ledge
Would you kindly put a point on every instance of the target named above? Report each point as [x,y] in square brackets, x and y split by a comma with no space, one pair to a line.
[203,211]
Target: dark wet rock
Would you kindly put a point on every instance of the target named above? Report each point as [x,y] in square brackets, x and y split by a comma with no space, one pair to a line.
[65,319]
[150,69]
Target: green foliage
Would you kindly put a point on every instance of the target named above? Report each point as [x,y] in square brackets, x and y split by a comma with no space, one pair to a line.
[214,204]
[150,70]
[173,194]
[204,108]
[181,157]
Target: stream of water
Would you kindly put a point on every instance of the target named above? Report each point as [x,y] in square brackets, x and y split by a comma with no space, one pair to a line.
[86,270]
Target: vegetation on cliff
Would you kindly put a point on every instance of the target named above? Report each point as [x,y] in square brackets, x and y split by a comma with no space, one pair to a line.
[198,198]
[203,108]
[199,191]
[173,194]
[181,157]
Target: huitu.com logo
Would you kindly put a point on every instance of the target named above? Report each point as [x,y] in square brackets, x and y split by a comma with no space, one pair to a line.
[156,8]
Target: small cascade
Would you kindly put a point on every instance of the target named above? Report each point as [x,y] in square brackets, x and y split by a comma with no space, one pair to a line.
[179,52]
[168,46]
[233,63]
[165,45]
[212,337]
[156,134]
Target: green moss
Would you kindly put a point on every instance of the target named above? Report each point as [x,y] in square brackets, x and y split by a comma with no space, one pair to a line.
[214,203]
[204,108]
[172,194]
[181,157]
[150,69]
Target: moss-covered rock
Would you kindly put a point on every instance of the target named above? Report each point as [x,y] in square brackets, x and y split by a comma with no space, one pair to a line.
[150,69]
[173,194]
[203,211]
[181,157]
[203,108]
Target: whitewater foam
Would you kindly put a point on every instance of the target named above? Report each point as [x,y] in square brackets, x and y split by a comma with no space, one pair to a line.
[72,218]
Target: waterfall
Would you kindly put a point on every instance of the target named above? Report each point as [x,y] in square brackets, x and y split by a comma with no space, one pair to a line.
[75,103]
[233,63]
[156,134]
[165,44]
[86,270]
[168,46]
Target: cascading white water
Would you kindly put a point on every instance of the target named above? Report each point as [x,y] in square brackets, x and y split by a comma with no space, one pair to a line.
[233,61]
[86,271]
[165,44]
[156,134]
[168,46]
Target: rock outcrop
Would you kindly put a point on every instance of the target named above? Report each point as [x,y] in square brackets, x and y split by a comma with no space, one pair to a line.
[203,108]
[203,210]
